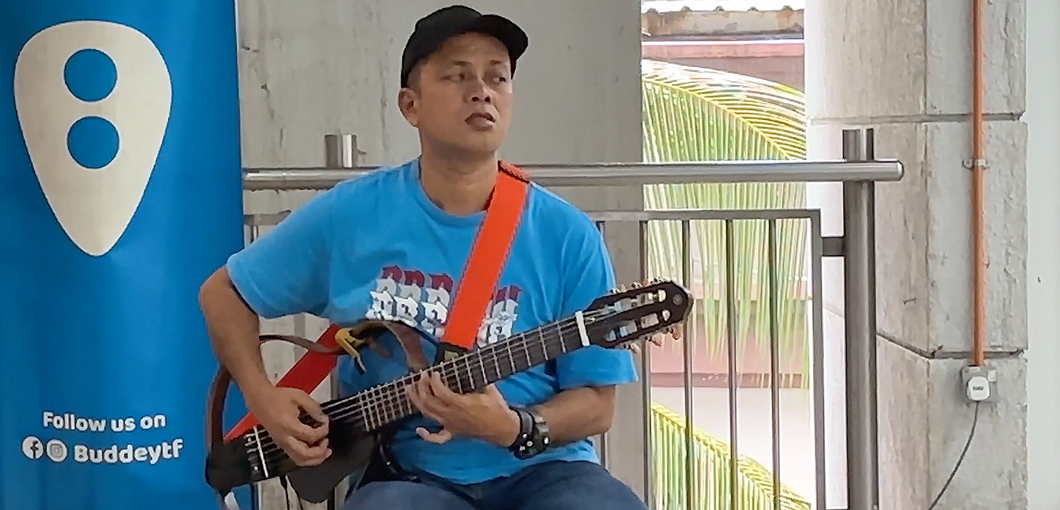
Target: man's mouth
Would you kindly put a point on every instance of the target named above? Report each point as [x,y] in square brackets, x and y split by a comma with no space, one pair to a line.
[483,115]
[481,120]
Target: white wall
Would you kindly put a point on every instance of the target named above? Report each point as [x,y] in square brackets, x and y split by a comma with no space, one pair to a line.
[1043,291]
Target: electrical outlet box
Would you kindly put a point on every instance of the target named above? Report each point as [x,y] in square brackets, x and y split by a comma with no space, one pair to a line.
[979,384]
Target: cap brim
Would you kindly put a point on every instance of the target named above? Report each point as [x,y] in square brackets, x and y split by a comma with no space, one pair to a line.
[504,29]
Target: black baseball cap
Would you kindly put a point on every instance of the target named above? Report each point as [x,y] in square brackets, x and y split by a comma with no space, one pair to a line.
[437,27]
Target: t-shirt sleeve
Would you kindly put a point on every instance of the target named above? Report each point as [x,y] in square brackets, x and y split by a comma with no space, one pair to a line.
[285,271]
[589,274]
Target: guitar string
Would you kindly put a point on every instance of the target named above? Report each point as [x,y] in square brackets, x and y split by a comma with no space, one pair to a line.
[394,401]
[361,404]
[271,451]
[397,402]
[397,399]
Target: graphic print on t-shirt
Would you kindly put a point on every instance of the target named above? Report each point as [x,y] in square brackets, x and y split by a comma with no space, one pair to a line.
[422,300]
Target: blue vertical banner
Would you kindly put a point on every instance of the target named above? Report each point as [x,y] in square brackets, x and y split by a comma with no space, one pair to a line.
[120,191]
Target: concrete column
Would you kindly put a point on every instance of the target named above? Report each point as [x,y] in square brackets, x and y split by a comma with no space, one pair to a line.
[1043,282]
[904,67]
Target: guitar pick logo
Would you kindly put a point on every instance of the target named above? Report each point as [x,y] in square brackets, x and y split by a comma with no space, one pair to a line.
[93,102]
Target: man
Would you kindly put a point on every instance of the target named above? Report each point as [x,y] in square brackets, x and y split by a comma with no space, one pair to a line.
[390,245]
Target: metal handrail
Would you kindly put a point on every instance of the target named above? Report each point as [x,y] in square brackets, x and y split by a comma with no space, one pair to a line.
[617,174]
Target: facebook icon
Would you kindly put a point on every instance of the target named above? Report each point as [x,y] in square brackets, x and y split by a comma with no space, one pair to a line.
[32,447]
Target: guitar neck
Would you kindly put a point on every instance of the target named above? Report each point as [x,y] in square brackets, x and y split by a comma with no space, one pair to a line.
[387,403]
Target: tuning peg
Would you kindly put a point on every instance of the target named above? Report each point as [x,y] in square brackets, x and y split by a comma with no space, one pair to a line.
[635,285]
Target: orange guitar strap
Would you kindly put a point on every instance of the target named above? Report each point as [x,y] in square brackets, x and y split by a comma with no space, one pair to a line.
[473,292]
[484,264]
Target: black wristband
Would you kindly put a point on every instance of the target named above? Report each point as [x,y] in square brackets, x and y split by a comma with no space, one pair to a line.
[526,427]
[533,434]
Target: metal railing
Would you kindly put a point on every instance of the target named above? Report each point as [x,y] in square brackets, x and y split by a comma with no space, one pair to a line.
[858,172]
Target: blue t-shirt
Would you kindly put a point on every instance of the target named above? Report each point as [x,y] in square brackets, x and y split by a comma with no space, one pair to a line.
[377,247]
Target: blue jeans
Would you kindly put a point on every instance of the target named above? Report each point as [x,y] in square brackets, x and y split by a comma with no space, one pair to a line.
[555,485]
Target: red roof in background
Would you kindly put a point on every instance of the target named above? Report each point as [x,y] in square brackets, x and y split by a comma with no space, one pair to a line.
[673,50]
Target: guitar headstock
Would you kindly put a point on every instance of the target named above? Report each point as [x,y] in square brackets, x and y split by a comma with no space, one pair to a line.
[626,316]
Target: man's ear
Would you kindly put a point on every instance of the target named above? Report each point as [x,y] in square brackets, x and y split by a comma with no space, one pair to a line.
[408,103]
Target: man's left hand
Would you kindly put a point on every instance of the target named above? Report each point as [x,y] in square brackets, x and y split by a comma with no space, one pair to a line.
[483,415]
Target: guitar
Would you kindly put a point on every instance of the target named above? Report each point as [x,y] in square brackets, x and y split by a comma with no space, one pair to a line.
[360,422]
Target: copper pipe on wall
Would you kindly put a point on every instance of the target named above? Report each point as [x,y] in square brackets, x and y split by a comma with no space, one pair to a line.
[978,166]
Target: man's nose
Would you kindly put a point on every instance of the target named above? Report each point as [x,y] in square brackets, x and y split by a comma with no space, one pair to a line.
[480,92]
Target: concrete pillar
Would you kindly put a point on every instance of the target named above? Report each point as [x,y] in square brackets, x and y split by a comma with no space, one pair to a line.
[328,66]
[904,67]
[1043,282]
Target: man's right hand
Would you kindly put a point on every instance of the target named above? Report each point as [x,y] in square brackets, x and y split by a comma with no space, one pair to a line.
[278,410]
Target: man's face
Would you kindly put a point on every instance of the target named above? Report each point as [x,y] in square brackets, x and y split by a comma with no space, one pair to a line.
[461,97]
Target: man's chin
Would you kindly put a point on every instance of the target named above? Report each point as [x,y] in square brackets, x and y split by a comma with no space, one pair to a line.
[466,145]
[479,145]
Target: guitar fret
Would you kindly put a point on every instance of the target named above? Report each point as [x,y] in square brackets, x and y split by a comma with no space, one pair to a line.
[362,405]
[383,405]
[397,399]
[450,379]
[405,400]
[359,409]
[390,411]
[470,376]
[368,410]
[513,350]
[496,363]
[377,419]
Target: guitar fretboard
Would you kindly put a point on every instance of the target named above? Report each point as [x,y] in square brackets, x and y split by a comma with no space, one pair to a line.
[388,403]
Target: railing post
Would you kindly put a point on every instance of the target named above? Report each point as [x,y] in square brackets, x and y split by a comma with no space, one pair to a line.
[340,151]
[859,239]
